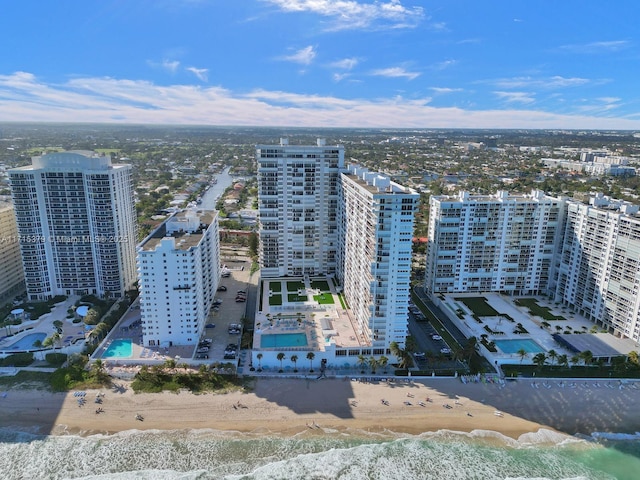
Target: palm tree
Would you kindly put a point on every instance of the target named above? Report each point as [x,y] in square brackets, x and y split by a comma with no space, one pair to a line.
[170,363]
[563,360]
[310,357]
[575,360]
[553,355]
[539,359]
[99,371]
[522,353]
[294,359]
[470,347]
[587,356]
[362,361]
[280,357]
[373,363]
[383,361]
[259,357]
[633,357]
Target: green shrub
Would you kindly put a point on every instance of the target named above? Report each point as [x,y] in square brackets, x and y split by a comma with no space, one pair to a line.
[17,360]
[56,359]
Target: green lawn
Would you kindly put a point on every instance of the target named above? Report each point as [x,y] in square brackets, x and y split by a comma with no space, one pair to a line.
[537,310]
[275,300]
[275,286]
[324,299]
[321,285]
[479,306]
[294,297]
[295,286]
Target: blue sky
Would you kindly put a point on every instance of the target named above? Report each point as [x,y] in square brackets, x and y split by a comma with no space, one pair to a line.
[329,63]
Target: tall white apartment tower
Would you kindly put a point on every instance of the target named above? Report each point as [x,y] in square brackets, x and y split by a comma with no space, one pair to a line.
[599,266]
[179,271]
[376,218]
[504,243]
[12,276]
[77,224]
[298,190]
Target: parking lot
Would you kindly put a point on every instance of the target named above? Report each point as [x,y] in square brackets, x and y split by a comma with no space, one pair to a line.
[223,329]
[430,344]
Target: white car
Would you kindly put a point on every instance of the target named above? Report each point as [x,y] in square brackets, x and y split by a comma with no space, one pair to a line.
[445,350]
[436,337]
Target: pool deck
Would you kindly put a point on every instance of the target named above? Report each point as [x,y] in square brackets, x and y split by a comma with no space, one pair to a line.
[504,304]
[279,319]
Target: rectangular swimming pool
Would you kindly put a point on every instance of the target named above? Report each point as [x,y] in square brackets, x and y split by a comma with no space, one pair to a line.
[276,340]
[119,348]
[513,346]
[26,342]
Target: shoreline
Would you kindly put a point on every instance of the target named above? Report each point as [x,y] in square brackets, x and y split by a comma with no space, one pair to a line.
[287,407]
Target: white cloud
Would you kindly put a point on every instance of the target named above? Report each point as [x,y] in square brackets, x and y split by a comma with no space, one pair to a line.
[23,96]
[201,73]
[345,63]
[351,14]
[444,65]
[303,56]
[596,47]
[445,89]
[515,97]
[548,82]
[168,65]
[395,72]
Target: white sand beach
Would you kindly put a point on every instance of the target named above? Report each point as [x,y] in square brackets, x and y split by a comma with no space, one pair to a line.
[288,406]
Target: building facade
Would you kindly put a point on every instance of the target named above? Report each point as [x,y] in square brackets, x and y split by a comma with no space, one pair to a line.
[318,218]
[179,272]
[501,242]
[584,254]
[374,256]
[77,225]
[12,277]
[298,191]
[599,264]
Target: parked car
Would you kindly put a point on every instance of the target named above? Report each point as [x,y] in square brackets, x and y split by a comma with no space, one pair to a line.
[242,292]
[202,355]
[420,355]
[210,325]
[222,288]
[446,351]
[436,337]
[229,356]
[241,299]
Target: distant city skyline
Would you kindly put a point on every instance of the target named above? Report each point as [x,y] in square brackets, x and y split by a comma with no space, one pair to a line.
[323,63]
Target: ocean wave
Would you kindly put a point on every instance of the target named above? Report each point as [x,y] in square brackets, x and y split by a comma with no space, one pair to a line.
[310,454]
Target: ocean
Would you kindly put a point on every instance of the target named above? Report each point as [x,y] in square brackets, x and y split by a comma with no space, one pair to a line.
[315,454]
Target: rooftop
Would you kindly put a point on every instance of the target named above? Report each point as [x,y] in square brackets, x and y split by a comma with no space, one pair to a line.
[187,227]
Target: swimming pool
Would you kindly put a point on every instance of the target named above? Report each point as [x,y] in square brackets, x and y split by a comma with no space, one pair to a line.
[26,342]
[119,348]
[283,340]
[513,346]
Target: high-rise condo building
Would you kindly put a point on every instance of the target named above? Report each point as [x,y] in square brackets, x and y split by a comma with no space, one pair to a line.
[354,227]
[376,219]
[12,276]
[298,203]
[599,264]
[501,242]
[179,270]
[77,225]
[585,255]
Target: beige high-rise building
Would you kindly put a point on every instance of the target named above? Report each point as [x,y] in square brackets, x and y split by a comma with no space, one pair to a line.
[77,223]
[11,273]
